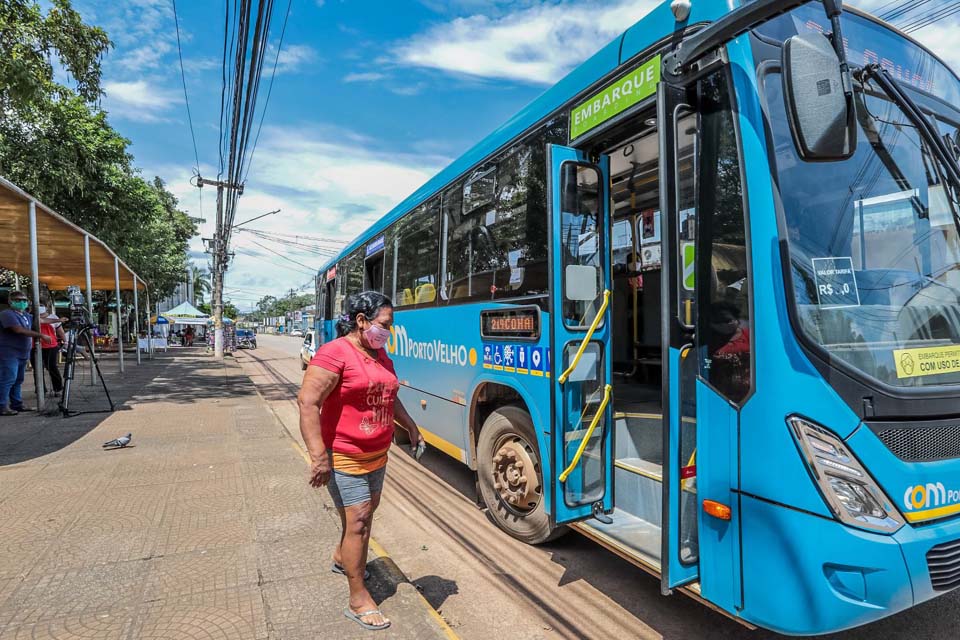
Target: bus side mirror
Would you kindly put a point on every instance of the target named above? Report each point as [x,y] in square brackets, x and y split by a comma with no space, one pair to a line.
[822,119]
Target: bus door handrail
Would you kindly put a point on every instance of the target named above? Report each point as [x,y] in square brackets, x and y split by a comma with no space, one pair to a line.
[586,339]
[601,411]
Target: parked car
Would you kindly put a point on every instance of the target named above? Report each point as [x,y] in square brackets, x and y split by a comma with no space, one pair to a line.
[246,339]
[308,348]
[296,333]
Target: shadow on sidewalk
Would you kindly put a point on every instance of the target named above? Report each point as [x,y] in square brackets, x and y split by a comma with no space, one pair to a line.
[180,376]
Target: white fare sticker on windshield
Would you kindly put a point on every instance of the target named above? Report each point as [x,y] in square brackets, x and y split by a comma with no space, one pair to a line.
[836,283]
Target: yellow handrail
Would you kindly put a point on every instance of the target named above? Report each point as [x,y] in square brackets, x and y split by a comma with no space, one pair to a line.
[607,393]
[586,339]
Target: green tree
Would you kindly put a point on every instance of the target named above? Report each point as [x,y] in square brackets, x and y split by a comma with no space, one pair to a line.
[28,43]
[269,306]
[57,144]
[201,284]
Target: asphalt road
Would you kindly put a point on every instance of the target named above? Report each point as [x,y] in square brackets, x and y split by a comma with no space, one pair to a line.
[487,585]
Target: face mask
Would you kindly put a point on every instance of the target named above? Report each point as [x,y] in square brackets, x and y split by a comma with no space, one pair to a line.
[19,305]
[376,336]
[42,309]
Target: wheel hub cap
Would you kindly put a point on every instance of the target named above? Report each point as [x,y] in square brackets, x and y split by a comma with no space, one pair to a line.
[515,474]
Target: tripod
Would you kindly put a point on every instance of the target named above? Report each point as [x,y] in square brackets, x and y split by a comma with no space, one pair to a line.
[74,337]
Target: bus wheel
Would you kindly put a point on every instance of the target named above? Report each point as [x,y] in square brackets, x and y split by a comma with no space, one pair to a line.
[511,477]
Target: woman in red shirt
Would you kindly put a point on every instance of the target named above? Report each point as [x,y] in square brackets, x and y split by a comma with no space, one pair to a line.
[348,404]
[51,350]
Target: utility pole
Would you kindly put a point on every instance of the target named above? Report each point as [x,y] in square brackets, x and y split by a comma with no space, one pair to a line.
[220,239]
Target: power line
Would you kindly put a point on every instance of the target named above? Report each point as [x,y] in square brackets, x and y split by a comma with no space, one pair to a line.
[302,236]
[308,248]
[183,79]
[273,76]
[931,17]
[276,264]
[878,10]
[312,269]
[903,9]
[186,98]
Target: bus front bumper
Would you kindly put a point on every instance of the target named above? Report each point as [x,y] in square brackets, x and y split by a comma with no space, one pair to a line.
[805,574]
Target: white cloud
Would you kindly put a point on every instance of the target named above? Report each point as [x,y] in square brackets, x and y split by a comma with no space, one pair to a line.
[143,100]
[942,40]
[940,37]
[147,57]
[370,76]
[327,182]
[538,44]
[353,171]
[292,57]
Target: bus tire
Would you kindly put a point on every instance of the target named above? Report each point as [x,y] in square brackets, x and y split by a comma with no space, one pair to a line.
[516,504]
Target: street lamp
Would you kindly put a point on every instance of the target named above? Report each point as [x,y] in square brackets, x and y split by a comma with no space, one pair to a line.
[269,213]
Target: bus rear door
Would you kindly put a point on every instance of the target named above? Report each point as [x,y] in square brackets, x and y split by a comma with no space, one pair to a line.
[581,449]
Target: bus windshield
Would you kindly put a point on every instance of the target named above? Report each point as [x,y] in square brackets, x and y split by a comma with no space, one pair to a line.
[874,248]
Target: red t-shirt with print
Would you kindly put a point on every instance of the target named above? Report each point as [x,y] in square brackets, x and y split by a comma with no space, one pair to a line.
[357,416]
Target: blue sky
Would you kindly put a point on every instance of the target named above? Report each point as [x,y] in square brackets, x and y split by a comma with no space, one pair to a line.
[371,98]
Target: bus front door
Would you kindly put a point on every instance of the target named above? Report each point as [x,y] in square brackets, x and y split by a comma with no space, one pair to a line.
[581,452]
[678,171]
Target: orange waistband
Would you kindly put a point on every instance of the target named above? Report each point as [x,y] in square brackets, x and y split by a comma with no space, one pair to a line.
[359,463]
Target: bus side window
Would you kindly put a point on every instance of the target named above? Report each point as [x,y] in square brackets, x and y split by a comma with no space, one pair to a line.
[724,322]
[687,141]
[581,259]
[495,227]
[417,256]
[354,272]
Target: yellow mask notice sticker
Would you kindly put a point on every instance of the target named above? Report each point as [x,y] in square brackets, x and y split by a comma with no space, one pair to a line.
[928,361]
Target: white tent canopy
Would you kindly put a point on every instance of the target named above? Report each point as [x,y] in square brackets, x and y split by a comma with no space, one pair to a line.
[186,313]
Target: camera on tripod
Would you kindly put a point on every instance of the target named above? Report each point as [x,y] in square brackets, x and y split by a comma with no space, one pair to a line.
[78,307]
[79,335]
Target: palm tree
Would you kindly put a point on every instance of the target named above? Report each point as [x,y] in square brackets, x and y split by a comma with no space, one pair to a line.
[201,284]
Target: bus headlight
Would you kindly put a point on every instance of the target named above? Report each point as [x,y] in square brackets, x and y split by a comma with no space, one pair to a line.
[852,495]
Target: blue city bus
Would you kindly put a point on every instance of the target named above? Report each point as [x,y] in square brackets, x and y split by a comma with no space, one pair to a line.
[700,301]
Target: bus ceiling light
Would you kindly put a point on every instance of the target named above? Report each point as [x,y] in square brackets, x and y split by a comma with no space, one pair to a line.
[852,495]
[681,9]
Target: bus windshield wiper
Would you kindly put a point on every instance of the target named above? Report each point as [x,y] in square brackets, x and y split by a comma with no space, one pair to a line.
[945,164]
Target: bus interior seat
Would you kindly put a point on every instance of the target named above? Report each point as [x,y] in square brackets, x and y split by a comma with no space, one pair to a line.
[426,293]
[406,298]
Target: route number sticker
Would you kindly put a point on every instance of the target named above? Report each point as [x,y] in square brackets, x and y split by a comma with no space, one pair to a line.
[836,283]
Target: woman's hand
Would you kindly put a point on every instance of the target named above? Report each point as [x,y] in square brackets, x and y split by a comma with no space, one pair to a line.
[419,448]
[417,444]
[320,471]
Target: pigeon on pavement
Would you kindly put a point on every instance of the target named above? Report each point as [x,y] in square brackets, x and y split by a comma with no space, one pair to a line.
[120,442]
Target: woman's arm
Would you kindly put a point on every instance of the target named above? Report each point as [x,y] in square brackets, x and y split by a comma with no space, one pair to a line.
[317,385]
[33,334]
[404,420]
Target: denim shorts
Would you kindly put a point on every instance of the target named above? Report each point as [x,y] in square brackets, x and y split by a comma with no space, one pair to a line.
[348,490]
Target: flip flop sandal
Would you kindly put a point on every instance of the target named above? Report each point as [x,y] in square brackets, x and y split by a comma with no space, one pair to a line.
[338,568]
[357,617]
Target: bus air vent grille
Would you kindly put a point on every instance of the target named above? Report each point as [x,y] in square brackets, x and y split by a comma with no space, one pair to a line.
[923,445]
[944,563]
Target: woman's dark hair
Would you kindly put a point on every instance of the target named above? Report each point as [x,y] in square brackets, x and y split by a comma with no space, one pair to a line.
[369,303]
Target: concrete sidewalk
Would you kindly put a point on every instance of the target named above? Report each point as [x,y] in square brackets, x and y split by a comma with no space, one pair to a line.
[204,528]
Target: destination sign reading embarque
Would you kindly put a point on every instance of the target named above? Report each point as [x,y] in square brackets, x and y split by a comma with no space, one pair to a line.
[616,98]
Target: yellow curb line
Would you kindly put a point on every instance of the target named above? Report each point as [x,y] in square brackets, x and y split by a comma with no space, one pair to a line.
[382,553]
[376,546]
